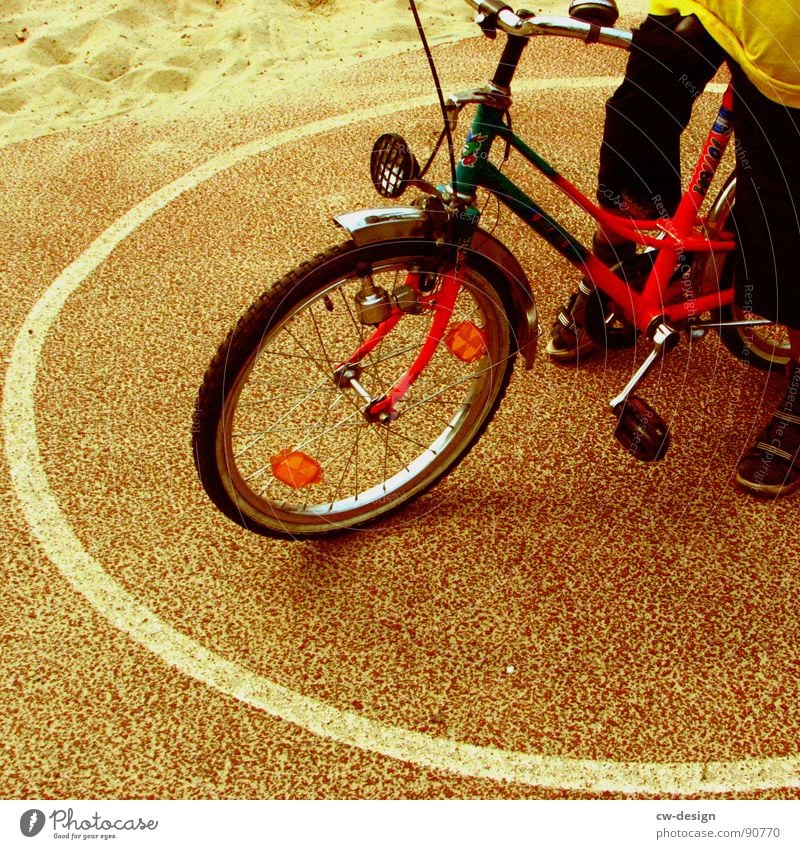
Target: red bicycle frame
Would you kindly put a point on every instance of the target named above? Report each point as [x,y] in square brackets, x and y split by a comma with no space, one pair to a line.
[666,297]
[684,233]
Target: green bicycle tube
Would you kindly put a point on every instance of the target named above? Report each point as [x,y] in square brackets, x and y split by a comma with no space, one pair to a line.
[475,152]
[475,170]
[532,214]
[528,152]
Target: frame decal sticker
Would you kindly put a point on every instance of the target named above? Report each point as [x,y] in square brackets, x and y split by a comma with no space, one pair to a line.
[469,155]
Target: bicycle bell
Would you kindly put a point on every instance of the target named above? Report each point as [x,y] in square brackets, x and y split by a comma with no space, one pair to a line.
[601,13]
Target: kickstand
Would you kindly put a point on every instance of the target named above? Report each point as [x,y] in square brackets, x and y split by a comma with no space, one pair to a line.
[642,432]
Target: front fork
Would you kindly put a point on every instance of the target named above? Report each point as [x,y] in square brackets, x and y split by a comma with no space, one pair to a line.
[384,410]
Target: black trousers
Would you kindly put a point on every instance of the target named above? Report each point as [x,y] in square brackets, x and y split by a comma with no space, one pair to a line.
[672,61]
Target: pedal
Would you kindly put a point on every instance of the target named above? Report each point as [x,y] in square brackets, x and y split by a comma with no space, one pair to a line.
[640,430]
[602,322]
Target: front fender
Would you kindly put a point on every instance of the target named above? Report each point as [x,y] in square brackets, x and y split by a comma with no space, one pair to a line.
[368,226]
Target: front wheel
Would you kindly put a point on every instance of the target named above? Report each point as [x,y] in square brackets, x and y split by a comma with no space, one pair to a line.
[281,440]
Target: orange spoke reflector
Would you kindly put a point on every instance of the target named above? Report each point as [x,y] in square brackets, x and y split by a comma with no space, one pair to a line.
[296,469]
[466,342]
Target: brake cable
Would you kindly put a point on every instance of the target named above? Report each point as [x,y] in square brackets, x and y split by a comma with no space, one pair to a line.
[447,132]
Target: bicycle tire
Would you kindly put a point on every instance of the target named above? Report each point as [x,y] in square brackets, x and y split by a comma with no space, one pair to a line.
[765,347]
[270,392]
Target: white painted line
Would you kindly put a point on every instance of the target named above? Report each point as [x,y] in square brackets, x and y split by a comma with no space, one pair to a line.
[51,527]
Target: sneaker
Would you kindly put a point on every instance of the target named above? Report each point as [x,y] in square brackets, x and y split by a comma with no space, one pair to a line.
[569,340]
[772,466]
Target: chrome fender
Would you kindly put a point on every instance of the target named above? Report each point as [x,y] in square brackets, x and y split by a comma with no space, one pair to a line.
[368,226]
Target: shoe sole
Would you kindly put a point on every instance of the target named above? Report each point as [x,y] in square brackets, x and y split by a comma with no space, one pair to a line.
[568,355]
[768,489]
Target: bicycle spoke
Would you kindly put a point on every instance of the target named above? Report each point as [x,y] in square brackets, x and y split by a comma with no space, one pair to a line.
[396,432]
[267,432]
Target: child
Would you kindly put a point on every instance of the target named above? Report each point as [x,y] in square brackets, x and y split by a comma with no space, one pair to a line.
[677,50]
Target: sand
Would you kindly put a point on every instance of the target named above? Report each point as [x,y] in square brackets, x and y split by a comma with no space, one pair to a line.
[65,65]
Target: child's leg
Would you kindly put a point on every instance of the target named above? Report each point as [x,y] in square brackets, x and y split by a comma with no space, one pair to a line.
[767,221]
[671,62]
[639,174]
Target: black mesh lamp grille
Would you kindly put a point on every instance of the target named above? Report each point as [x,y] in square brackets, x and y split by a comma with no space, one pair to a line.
[392,165]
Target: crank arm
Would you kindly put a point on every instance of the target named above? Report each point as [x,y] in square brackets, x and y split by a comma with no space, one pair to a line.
[664,340]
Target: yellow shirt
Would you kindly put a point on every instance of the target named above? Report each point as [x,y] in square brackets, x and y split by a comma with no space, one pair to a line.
[762,36]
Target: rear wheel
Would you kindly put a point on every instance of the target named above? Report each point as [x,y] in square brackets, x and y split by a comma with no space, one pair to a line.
[281,442]
[765,347]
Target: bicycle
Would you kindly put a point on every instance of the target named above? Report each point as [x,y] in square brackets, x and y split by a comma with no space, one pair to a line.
[362,378]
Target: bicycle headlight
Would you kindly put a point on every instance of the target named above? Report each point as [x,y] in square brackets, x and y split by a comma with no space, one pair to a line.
[392,165]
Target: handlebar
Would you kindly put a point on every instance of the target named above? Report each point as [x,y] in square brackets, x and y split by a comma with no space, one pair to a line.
[528,27]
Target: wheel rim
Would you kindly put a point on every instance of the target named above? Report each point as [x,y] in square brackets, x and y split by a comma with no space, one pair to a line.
[285,401]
